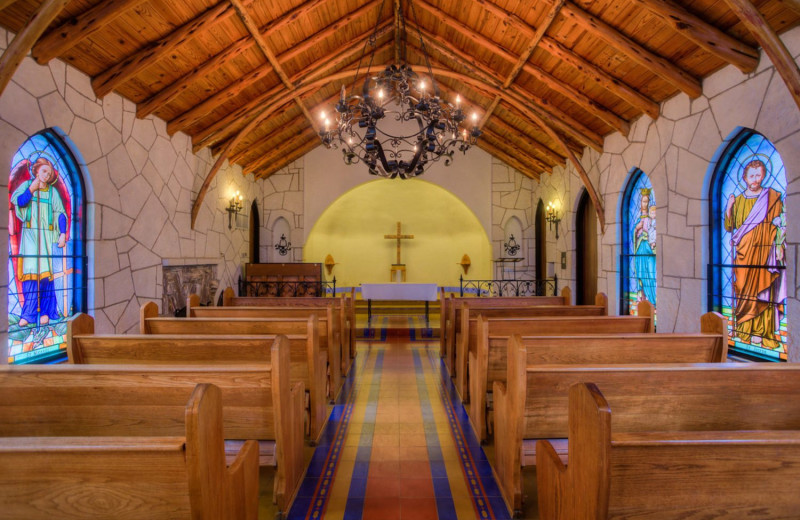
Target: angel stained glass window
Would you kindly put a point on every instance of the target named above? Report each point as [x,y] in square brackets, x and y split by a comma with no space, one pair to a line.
[46,252]
[747,274]
[638,259]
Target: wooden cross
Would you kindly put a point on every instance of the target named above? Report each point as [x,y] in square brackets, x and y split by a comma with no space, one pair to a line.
[398,237]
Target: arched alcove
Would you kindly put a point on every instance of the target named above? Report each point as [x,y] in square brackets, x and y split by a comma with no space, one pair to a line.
[585,251]
[280,228]
[352,231]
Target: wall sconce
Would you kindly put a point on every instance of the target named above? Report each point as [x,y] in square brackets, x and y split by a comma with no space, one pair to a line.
[465,263]
[511,246]
[234,207]
[552,216]
[283,246]
[329,263]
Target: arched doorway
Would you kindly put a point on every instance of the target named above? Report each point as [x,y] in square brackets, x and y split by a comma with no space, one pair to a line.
[586,251]
[541,248]
[255,234]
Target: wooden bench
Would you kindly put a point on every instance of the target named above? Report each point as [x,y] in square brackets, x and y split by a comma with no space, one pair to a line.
[451,317]
[467,336]
[490,362]
[533,404]
[151,323]
[306,362]
[715,443]
[344,307]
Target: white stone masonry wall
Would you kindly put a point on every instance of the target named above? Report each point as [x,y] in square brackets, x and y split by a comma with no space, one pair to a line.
[511,197]
[283,197]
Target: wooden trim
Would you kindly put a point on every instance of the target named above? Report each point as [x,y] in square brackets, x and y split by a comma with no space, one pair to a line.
[289,159]
[115,76]
[77,29]
[283,110]
[503,156]
[523,157]
[282,149]
[21,45]
[489,111]
[537,37]
[703,34]
[771,43]
[794,5]
[397,35]
[579,63]
[6,3]
[529,166]
[539,147]
[657,64]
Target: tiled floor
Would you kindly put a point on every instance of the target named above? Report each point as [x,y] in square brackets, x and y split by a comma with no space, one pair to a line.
[398,444]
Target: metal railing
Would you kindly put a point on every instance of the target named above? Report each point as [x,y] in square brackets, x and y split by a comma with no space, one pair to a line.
[484,288]
[287,289]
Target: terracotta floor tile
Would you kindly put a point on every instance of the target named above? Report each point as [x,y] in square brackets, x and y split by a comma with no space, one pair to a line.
[416,488]
[415,468]
[383,487]
[413,452]
[385,453]
[381,509]
[418,509]
[414,439]
[386,439]
[384,469]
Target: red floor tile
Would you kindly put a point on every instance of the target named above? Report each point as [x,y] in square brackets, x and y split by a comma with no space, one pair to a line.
[383,487]
[382,509]
[416,488]
[384,469]
[414,468]
[418,509]
[413,452]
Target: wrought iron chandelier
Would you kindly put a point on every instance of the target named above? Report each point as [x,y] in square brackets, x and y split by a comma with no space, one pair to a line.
[431,126]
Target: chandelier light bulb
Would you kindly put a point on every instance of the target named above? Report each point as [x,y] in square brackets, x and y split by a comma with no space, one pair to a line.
[458,100]
[380,94]
[422,85]
[322,115]
[474,117]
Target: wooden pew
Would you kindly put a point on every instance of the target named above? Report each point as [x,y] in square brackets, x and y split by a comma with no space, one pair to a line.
[735,453]
[343,310]
[306,362]
[453,317]
[151,323]
[490,363]
[533,404]
[467,337]
[62,458]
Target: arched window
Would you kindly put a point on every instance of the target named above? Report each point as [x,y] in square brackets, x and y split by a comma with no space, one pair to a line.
[747,281]
[46,248]
[638,259]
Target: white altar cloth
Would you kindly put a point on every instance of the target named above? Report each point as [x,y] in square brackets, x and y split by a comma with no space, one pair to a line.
[400,291]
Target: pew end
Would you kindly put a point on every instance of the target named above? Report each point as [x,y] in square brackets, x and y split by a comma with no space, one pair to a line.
[227,297]
[601,300]
[192,302]
[147,311]
[566,294]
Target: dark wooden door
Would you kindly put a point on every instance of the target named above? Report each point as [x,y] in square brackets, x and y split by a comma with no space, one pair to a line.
[586,251]
[541,244]
[255,234]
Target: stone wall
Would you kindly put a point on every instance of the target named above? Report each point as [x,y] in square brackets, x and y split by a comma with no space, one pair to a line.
[678,152]
[283,198]
[511,198]
[141,183]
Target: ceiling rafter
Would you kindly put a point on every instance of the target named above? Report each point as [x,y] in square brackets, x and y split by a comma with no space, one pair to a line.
[115,76]
[219,60]
[581,100]
[509,130]
[567,124]
[6,3]
[21,45]
[659,65]
[511,161]
[288,159]
[284,148]
[703,34]
[76,29]
[517,152]
[772,44]
[252,28]
[604,79]
[215,132]
[197,112]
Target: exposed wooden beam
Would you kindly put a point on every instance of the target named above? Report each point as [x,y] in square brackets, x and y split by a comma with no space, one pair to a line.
[267,142]
[614,85]
[566,123]
[794,5]
[506,127]
[592,107]
[236,118]
[285,147]
[489,111]
[6,3]
[77,29]
[115,76]
[771,43]
[397,34]
[705,35]
[512,150]
[21,45]
[527,171]
[197,112]
[537,37]
[220,59]
[659,65]
[288,159]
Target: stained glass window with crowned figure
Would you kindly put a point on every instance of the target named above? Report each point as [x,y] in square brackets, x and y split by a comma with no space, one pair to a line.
[638,260]
[46,250]
[747,272]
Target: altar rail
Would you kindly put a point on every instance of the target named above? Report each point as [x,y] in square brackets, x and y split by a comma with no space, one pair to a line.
[481,288]
[287,288]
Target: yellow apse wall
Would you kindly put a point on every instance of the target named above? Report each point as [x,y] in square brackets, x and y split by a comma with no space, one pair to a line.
[351,230]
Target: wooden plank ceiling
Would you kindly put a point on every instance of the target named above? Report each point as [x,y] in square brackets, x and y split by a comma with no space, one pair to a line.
[585,68]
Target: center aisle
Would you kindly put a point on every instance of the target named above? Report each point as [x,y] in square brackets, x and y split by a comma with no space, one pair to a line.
[398,443]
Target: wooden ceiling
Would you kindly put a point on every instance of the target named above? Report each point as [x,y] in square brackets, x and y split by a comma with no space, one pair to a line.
[248,78]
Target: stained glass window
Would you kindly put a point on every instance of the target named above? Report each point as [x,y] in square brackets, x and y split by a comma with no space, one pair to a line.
[46,252]
[747,273]
[638,260]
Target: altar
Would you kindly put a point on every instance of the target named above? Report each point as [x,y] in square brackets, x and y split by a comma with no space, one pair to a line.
[427,292]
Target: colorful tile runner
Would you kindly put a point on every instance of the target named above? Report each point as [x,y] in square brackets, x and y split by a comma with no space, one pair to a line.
[398,444]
